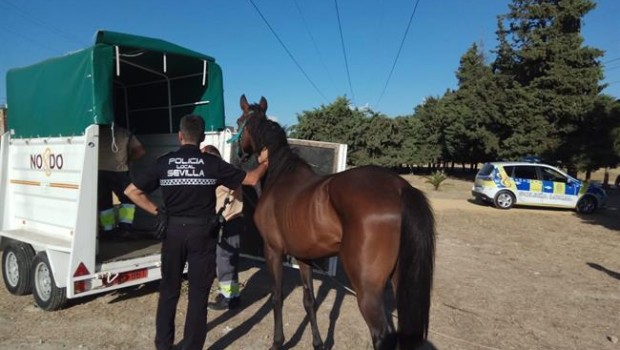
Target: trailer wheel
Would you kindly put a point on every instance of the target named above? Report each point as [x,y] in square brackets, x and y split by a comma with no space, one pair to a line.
[46,294]
[16,260]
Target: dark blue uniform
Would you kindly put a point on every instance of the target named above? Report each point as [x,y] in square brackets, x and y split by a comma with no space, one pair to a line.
[188,179]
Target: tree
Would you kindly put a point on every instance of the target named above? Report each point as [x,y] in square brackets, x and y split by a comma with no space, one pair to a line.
[596,137]
[552,65]
[475,109]
[336,122]
[428,128]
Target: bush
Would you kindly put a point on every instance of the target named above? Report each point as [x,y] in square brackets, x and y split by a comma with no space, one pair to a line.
[436,179]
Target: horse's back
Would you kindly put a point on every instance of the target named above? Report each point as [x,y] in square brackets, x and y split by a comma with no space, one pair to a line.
[370,186]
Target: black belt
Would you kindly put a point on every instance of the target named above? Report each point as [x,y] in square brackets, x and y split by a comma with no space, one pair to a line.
[187,220]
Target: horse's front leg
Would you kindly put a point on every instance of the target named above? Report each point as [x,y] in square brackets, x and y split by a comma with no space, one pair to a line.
[310,303]
[274,264]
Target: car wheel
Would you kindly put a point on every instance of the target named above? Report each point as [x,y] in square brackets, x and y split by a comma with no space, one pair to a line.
[504,200]
[586,205]
[46,294]
[16,259]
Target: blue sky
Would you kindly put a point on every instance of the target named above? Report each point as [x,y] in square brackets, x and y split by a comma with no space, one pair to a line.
[255,63]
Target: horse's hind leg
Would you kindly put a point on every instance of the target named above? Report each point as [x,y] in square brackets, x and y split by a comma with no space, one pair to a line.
[369,288]
[373,310]
[310,303]
[274,265]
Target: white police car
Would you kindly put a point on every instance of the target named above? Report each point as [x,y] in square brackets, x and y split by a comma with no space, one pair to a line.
[521,183]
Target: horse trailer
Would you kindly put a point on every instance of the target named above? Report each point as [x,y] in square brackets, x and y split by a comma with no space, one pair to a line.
[49,159]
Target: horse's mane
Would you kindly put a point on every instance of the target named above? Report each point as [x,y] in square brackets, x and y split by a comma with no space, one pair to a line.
[269,134]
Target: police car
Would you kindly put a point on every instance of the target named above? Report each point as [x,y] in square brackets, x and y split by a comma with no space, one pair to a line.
[522,183]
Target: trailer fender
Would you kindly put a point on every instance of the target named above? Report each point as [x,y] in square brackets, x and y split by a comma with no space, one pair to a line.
[59,262]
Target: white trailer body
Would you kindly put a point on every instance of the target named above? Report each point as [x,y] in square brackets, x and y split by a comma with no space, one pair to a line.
[48,188]
[49,158]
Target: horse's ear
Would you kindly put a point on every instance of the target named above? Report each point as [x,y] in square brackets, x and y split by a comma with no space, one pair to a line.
[244,103]
[263,104]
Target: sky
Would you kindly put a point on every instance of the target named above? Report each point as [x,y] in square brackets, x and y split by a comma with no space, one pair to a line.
[300,55]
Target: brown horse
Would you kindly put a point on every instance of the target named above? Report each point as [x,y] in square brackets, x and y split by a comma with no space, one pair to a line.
[379,226]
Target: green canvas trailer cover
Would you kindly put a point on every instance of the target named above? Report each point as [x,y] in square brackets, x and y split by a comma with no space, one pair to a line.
[147,84]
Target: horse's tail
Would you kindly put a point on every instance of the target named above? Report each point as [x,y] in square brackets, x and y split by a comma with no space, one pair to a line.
[415,268]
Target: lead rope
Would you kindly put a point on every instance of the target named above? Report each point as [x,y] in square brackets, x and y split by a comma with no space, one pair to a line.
[114,145]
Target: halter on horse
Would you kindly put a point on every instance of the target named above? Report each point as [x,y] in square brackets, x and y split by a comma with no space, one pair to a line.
[379,226]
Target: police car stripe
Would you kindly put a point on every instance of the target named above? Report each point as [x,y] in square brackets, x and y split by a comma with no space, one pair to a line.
[187,181]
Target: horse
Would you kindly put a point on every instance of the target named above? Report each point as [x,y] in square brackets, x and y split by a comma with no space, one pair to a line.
[380,227]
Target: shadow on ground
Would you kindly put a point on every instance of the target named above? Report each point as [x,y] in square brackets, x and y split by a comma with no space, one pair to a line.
[608,217]
[259,286]
[610,273]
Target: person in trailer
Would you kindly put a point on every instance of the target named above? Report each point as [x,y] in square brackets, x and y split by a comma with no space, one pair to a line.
[117,148]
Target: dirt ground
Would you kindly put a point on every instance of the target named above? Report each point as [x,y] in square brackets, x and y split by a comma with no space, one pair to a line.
[517,279]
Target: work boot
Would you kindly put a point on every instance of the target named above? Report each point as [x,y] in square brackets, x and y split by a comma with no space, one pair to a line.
[117,234]
[125,226]
[223,303]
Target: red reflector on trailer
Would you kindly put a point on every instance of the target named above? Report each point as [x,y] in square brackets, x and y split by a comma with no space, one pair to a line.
[79,286]
[81,270]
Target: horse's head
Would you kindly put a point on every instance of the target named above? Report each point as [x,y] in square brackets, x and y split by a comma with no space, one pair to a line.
[251,116]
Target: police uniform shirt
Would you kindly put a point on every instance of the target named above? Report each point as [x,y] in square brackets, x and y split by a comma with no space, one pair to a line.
[188,179]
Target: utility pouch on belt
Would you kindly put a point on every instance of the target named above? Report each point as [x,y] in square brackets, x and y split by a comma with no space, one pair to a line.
[214,224]
[161,223]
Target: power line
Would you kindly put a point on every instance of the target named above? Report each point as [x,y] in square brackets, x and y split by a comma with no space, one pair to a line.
[316,47]
[344,51]
[34,41]
[612,60]
[25,15]
[402,43]
[612,68]
[287,51]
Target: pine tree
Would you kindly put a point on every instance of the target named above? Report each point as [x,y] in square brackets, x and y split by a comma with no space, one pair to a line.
[557,72]
[475,110]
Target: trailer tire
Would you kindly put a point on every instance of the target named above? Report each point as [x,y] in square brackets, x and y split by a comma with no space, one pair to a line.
[16,261]
[46,294]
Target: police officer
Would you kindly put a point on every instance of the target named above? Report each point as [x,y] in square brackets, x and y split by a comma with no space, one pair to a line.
[188,179]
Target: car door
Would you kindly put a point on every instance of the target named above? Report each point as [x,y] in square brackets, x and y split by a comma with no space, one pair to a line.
[558,189]
[529,187]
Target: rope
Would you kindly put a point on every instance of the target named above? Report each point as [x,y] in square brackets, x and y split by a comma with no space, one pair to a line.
[114,145]
[238,134]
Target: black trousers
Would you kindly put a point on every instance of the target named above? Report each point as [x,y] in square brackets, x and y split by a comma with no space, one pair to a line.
[191,244]
[108,182]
